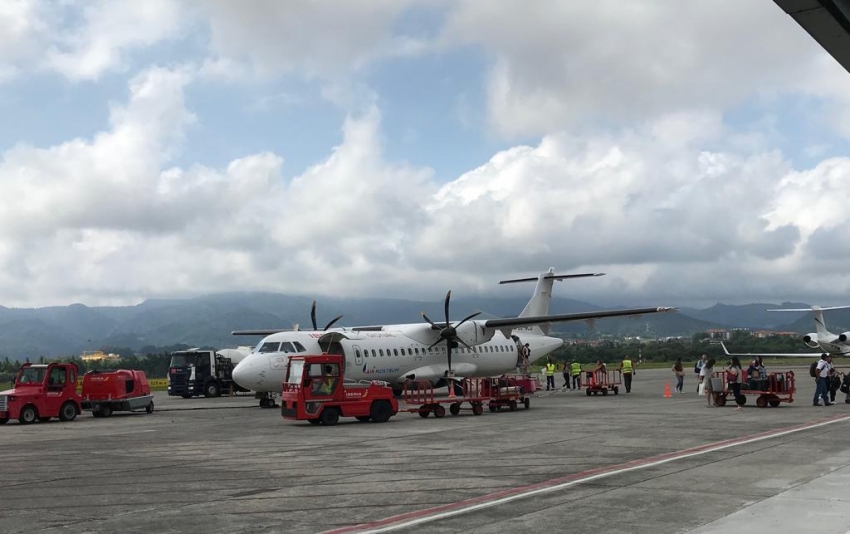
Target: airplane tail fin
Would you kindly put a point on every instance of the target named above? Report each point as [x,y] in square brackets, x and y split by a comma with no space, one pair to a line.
[820,323]
[542,296]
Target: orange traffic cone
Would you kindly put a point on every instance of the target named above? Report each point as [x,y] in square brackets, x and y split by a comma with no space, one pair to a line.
[667,393]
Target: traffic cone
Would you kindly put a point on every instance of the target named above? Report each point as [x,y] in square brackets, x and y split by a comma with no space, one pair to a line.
[667,393]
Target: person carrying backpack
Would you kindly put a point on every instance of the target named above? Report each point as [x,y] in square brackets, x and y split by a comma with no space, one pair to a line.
[822,370]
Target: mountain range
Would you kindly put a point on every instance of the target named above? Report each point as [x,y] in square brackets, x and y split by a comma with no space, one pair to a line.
[208,320]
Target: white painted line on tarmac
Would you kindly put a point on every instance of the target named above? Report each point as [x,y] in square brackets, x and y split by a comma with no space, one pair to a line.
[437,513]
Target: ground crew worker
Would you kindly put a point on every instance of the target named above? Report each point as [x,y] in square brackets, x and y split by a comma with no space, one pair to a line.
[326,386]
[550,374]
[575,370]
[628,370]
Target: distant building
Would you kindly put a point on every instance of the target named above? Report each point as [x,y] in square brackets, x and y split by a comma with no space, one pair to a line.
[99,356]
[770,333]
[718,333]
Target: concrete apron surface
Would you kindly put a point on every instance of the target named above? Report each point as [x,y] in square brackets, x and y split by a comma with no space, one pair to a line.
[636,462]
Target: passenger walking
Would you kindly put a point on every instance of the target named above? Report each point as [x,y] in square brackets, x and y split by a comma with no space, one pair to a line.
[698,370]
[550,375]
[733,378]
[822,370]
[834,383]
[705,374]
[566,373]
[575,371]
[628,370]
[679,371]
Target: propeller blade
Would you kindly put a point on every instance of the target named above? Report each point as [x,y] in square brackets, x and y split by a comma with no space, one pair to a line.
[313,315]
[335,319]
[449,357]
[435,327]
[448,298]
[435,343]
[468,318]
[459,340]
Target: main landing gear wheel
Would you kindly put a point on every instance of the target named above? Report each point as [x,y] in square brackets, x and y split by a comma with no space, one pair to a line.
[329,417]
[439,411]
[477,408]
[454,408]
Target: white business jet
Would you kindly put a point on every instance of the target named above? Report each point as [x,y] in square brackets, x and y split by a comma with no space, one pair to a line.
[821,338]
[422,351]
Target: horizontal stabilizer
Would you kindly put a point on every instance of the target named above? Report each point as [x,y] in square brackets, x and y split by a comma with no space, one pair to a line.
[551,277]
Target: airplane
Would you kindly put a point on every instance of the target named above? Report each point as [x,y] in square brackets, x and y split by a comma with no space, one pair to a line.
[421,351]
[823,339]
[773,354]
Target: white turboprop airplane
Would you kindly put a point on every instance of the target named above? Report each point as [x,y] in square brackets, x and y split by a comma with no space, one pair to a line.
[821,338]
[422,351]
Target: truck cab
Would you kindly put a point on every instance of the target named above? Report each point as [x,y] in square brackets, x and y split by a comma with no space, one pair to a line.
[315,390]
[202,372]
[41,392]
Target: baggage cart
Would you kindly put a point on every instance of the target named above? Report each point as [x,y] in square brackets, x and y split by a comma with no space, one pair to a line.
[771,390]
[419,397]
[597,382]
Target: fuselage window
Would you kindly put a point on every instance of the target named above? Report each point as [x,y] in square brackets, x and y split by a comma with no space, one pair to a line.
[395,352]
[357,353]
[374,354]
[381,353]
[299,347]
[402,352]
[417,350]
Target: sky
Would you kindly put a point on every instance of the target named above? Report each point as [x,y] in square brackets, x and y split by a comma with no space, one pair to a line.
[696,152]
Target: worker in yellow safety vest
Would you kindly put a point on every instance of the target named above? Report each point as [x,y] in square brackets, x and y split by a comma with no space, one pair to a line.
[575,371]
[628,370]
[550,375]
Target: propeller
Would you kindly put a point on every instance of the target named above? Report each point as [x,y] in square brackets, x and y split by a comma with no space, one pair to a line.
[313,318]
[448,332]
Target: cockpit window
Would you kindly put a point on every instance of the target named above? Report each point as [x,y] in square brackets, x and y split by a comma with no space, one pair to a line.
[270,346]
[287,347]
[299,347]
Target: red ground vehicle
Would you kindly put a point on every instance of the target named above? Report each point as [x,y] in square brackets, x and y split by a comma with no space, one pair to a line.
[602,382]
[315,390]
[40,393]
[105,392]
[506,392]
[776,388]
[419,397]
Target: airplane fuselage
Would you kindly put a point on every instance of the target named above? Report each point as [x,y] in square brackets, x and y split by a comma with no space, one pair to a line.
[391,355]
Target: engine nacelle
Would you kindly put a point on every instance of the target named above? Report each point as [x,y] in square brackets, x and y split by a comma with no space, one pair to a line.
[811,340]
[843,337]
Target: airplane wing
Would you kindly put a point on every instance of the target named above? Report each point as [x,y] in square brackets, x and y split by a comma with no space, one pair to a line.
[581,316]
[773,354]
[259,332]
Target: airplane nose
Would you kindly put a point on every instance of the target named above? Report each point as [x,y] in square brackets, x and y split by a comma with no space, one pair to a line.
[242,374]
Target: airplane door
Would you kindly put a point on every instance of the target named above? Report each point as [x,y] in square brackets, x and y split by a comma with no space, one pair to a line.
[358,355]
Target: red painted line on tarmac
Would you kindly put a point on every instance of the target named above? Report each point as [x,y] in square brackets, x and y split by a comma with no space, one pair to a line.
[456,508]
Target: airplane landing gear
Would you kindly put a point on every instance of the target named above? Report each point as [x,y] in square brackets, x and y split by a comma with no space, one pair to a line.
[267,400]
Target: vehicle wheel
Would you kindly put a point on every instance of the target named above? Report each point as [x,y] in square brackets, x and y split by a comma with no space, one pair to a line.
[761,401]
[720,399]
[604,392]
[477,408]
[363,418]
[454,408]
[313,421]
[492,406]
[743,400]
[773,402]
[28,415]
[439,411]
[106,411]
[212,390]
[186,396]
[4,420]
[329,417]
[149,408]
[424,411]
[512,405]
[616,390]
[381,411]
[96,413]
[68,412]
[527,403]
[587,392]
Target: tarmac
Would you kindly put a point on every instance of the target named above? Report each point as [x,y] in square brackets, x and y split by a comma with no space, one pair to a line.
[636,462]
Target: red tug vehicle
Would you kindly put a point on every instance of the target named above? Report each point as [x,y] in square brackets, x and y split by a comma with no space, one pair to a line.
[42,392]
[315,390]
[105,392]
